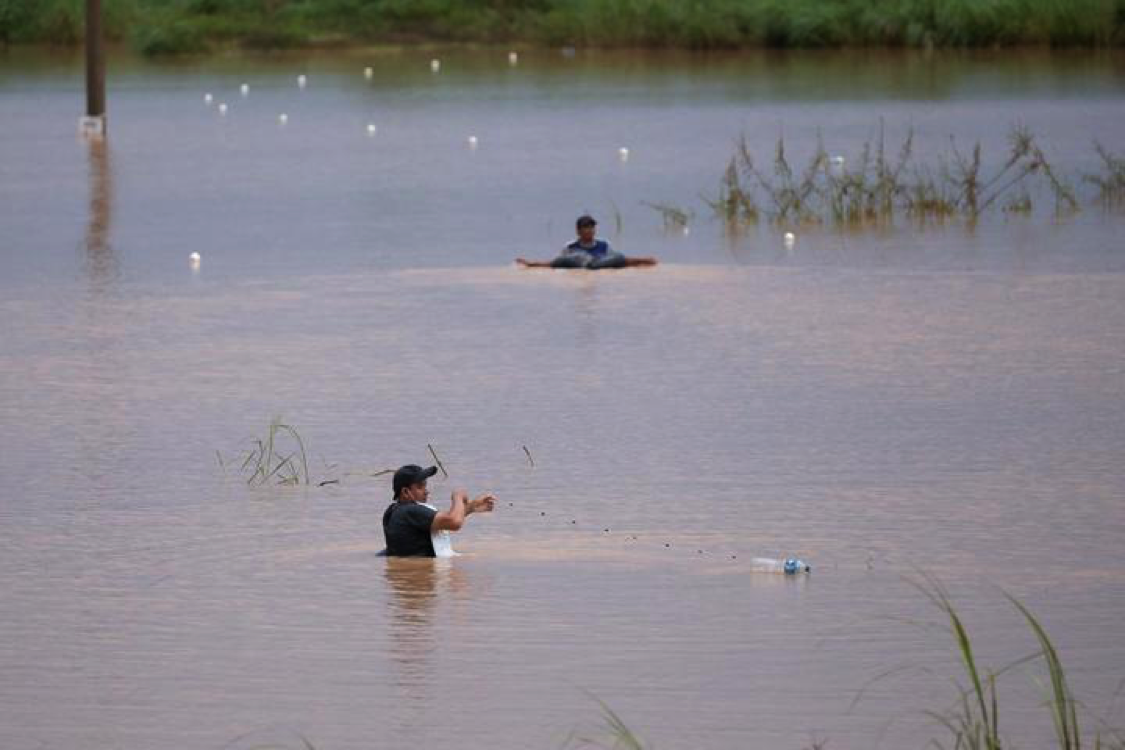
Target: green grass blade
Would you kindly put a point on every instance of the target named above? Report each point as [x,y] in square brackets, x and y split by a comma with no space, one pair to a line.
[301,445]
[1062,702]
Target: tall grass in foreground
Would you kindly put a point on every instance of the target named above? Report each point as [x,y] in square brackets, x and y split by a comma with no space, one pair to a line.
[617,734]
[974,722]
[880,187]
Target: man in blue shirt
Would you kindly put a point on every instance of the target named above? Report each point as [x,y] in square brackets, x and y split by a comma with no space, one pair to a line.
[585,252]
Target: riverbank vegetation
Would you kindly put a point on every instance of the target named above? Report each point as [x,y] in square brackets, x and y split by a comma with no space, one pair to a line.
[879,187]
[190,26]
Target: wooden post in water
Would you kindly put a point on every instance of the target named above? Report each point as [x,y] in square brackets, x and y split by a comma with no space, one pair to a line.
[93,124]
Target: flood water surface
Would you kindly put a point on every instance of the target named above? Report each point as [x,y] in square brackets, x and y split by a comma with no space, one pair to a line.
[938,401]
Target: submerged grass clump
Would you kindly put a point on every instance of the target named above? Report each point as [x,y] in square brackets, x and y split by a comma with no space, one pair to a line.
[880,188]
[674,217]
[1111,181]
[278,457]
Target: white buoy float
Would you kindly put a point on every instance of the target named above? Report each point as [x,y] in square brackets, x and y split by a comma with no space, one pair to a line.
[302,80]
[369,73]
[686,230]
[513,58]
[207,99]
[789,239]
[222,108]
[283,118]
[371,129]
[193,260]
[623,153]
[244,89]
[472,141]
[435,65]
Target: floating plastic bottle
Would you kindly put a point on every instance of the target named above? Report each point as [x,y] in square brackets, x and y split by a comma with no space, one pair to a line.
[790,566]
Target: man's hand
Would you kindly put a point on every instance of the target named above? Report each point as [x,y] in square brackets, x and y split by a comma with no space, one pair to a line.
[482,504]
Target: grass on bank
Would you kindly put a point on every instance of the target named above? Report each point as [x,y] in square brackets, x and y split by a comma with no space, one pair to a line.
[880,186]
[189,26]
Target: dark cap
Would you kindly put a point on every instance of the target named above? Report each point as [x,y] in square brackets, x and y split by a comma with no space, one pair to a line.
[585,220]
[411,474]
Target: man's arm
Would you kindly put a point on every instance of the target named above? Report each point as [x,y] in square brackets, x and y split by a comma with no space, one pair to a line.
[483,504]
[454,518]
[610,252]
[460,507]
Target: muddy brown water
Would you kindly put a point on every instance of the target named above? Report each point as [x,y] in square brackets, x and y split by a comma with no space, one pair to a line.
[947,400]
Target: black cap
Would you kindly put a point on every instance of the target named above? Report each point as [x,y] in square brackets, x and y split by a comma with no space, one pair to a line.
[411,474]
[585,220]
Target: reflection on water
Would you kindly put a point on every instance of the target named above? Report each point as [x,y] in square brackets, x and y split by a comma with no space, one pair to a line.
[414,588]
[414,585]
[100,262]
[423,633]
[586,310]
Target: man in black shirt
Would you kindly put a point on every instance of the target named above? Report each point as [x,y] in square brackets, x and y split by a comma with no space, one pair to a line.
[409,524]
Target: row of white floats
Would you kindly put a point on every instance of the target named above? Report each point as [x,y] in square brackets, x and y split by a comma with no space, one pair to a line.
[372,128]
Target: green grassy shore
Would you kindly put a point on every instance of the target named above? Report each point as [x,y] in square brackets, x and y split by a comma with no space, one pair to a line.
[191,26]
